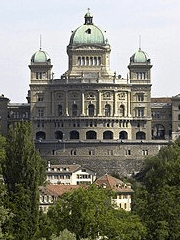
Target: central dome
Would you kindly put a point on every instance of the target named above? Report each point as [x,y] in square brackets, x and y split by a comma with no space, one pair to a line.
[88,33]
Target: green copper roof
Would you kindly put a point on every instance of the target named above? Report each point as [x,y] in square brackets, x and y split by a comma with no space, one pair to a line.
[87,34]
[140,57]
[40,57]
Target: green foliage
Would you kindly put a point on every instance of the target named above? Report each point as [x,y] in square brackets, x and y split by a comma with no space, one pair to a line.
[157,200]
[88,213]
[21,167]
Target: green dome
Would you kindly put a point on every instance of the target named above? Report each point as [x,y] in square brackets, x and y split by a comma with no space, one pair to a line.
[40,57]
[140,57]
[88,33]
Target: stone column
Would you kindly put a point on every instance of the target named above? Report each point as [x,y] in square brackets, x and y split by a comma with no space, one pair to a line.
[52,104]
[128,104]
[115,104]
[66,104]
[99,103]
[82,104]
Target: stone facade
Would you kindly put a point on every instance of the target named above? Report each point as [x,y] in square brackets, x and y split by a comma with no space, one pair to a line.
[90,115]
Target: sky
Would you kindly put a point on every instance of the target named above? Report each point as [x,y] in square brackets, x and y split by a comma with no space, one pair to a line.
[23,21]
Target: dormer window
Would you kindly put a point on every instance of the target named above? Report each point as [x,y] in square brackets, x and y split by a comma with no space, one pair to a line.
[88,31]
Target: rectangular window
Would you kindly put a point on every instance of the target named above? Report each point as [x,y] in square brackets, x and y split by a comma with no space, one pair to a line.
[40,112]
[91,152]
[140,97]
[140,112]
[128,152]
[145,152]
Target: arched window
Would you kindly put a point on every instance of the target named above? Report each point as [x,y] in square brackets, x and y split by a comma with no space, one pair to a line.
[74,135]
[91,110]
[60,112]
[95,60]
[91,135]
[87,61]
[121,111]
[58,135]
[79,61]
[140,135]
[107,135]
[83,61]
[158,132]
[74,110]
[107,110]
[123,135]
[40,135]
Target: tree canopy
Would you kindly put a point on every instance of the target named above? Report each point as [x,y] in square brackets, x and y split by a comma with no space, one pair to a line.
[88,213]
[22,171]
[157,200]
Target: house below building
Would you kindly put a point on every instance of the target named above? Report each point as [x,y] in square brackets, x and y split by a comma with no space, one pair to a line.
[70,174]
[123,191]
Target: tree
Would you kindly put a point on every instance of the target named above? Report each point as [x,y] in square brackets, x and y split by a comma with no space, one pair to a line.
[157,199]
[22,172]
[87,212]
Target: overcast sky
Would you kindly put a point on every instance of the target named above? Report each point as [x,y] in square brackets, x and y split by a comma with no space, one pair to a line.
[22,22]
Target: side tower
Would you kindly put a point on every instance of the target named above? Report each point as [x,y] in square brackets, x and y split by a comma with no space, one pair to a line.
[140,80]
[40,96]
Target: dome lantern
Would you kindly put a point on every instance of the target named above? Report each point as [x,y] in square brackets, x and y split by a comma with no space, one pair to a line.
[88,18]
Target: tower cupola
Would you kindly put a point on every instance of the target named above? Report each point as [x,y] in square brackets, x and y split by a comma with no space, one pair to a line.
[88,18]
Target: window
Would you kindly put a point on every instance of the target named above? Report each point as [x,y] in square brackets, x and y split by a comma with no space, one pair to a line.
[39,75]
[40,135]
[179,117]
[91,152]
[110,152]
[74,135]
[128,152]
[58,135]
[87,61]
[123,135]
[91,109]
[88,31]
[60,112]
[79,61]
[121,111]
[140,97]
[40,98]
[140,112]
[144,152]
[158,132]
[40,112]
[74,110]
[140,135]
[107,135]
[73,152]
[141,75]
[83,61]
[107,110]
[91,135]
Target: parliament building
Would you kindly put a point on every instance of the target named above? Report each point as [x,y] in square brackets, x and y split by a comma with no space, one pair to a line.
[92,116]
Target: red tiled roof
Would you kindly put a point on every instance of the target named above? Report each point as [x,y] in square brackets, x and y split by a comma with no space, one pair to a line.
[57,190]
[113,183]
[161,100]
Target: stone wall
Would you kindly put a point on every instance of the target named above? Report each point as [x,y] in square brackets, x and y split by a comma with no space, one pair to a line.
[124,158]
